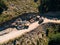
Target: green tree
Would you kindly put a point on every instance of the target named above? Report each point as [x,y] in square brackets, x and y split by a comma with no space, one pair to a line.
[54,40]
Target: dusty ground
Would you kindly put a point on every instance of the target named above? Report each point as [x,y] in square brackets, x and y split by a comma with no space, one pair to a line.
[33,37]
[12,35]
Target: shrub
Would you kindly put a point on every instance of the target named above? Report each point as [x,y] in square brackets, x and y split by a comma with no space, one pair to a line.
[2,6]
[55,39]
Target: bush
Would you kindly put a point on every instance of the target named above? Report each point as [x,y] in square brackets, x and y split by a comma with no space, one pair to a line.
[54,40]
[2,6]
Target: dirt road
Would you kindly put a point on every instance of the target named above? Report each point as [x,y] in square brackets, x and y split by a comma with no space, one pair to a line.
[17,33]
[50,20]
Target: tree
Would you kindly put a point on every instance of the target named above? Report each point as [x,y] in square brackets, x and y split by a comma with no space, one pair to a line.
[54,40]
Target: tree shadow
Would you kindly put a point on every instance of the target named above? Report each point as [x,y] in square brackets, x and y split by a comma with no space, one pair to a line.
[2,7]
[35,0]
[49,8]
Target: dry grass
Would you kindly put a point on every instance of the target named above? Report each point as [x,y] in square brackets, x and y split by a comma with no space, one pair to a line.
[31,38]
[16,8]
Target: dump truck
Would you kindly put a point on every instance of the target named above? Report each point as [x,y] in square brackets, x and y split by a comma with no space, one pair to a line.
[22,25]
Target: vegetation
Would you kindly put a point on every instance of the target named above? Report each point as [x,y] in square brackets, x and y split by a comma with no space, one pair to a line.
[55,39]
[13,8]
[52,29]
[2,6]
[30,38]
[49,5]
[53,33]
